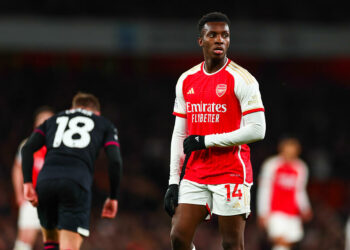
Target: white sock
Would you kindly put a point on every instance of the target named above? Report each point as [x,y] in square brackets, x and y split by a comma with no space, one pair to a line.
[20,245]
[280,247]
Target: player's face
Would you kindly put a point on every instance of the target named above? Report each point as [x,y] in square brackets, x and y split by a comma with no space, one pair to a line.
[215,40]
[41,117]
[290,150]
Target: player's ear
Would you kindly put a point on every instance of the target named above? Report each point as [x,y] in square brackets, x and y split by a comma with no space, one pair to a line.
[200,41]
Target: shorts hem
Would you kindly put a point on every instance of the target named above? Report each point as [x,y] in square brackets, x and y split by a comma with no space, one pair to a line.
[192,203]
[232,214]
[75,230]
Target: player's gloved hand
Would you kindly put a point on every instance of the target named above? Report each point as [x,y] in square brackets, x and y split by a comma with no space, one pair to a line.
[171,198]
[194,142]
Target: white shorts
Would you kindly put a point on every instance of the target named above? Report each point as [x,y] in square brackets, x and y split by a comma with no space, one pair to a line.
[288,227]
[222,199]
[28,216]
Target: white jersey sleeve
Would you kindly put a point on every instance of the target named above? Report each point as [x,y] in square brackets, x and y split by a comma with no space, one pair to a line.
[301,193]
[265,182]
[253,129]
[246,89]
[180,104]
[176,150]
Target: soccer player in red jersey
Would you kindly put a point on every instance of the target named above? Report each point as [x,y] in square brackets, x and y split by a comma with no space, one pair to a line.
[218,110]
[282,199]
[28,221]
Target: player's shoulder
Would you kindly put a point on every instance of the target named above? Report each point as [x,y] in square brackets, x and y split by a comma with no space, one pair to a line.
[239,73]
[104,122]
[191,71]
[301,164]
[271,161]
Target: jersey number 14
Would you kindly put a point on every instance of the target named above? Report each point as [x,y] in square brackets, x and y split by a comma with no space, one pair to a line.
[77,135]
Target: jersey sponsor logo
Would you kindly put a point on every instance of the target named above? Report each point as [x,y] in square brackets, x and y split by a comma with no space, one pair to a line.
[206,107]
[191,91]
[286,181]
[205,112]
[221,89]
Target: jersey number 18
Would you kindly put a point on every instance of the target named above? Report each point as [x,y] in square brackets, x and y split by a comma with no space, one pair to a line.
[79,125]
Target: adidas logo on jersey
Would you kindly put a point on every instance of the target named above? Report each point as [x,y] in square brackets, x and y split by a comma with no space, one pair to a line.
[191,91]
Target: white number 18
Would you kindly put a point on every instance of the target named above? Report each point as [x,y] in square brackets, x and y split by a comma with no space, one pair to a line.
[67,136]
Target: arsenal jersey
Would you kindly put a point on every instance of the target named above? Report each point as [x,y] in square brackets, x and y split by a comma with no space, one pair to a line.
[213,104]
[282,187]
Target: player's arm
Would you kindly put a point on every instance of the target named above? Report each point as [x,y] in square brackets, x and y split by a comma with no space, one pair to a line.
[110,208]
[17,179]
[301,194]
[115,169]
[253,130]
[176,159]
[112,149]
[264,191]
[176,150]
[33,144]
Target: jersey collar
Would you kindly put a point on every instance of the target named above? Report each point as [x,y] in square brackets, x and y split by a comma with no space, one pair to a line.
[209,74]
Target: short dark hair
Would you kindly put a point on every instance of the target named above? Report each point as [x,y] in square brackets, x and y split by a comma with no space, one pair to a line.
[86,100]
[212,17]
[42,109]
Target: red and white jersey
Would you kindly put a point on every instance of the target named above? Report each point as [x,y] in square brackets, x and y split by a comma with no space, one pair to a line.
[214,104]
[39,158]
[282,187]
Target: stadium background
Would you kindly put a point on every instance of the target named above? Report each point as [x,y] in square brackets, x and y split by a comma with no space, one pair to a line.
[130,56]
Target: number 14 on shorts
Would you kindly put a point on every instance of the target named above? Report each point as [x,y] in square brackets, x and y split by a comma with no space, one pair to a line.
[235,193]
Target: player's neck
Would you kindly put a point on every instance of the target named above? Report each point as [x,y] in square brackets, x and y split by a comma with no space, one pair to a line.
[213,65]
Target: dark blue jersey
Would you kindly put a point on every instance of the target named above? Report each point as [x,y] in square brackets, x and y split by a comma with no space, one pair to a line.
[73,139]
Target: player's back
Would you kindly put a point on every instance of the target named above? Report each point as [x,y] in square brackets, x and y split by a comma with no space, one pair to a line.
[73,139]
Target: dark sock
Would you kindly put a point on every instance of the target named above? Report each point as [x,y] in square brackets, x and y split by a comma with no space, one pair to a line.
[51,245]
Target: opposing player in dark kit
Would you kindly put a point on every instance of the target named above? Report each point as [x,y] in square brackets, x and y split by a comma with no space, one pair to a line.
[63,194]
[218,110]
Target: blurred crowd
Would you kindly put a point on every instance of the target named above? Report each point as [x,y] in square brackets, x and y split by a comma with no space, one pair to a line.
[303,98]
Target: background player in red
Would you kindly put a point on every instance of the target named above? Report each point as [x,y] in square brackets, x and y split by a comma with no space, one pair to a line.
[282,198]
[63,194]
[218,108]
[28,221]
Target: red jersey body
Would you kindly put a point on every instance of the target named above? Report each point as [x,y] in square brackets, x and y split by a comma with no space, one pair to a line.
[38,163]
[283,187]
[39,158]
[214,104]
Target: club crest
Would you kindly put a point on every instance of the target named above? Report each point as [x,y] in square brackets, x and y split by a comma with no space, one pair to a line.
[221,89]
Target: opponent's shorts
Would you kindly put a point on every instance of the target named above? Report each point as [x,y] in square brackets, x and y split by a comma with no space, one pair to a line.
[288,227]
[222,199]
[28,216]
[64,204]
